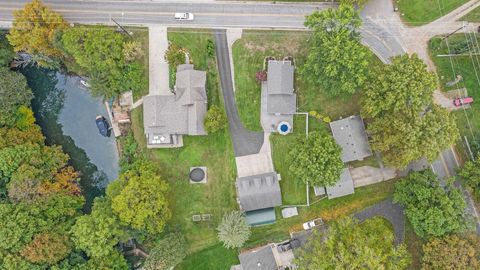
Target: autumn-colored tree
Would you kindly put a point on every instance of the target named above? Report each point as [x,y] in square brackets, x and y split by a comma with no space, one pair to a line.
[34,29]
[175,55]
[452,252]
[47,248]
[66,180]
[13,136]
[132,50]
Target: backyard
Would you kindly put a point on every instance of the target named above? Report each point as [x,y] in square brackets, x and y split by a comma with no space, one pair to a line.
[466,66]
[417,13]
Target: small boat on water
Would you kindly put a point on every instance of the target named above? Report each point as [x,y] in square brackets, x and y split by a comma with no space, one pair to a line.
[84,83]
[103,126]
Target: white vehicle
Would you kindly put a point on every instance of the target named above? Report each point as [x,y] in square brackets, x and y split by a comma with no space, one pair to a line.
[184,16]
[312,223]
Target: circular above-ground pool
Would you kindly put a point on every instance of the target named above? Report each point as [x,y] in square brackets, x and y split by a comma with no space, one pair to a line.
[197,175]
[284,128]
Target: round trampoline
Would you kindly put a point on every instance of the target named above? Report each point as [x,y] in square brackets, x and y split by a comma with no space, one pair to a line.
[197,175]
[284,128]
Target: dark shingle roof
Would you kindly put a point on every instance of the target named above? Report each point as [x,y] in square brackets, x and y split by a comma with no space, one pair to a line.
[350,134]
[259,191]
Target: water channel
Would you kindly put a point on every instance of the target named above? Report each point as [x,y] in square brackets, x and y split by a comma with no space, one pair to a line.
[66,112]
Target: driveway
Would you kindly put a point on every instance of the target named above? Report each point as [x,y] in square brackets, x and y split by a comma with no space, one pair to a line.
[245,142]
[157,66]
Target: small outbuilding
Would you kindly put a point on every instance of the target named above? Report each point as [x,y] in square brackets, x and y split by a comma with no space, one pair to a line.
[350,134]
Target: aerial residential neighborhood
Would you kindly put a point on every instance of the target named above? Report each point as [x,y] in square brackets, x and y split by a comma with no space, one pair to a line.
[239,135]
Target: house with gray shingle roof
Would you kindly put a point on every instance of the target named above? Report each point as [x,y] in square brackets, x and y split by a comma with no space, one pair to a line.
[350,135]
[343,187]
[279,101]
[257,196]
[167,118]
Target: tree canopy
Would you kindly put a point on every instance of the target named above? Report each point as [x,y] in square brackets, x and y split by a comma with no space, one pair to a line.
[234,230]
[346,244]
[107,57]
[167,253]
[432,210]
[316,160]
[452,252]
[34,29]
[141,201]
[470,174]
[337,61]
[403,122]
[14,92]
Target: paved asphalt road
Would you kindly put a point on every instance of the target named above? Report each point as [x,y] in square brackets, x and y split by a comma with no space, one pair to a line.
[245,142]
[210,14]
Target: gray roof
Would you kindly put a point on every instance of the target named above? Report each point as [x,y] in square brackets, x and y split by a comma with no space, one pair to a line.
[343,187]
[350,134]
[259,191]
[182,113]
[258,259]
[281,97]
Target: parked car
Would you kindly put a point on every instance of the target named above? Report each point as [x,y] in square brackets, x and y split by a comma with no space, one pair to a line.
[462,101]
[103,126]
[312,223]
[185,16]
[287,245]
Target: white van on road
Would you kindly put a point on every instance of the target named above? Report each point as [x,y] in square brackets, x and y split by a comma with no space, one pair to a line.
[186,16]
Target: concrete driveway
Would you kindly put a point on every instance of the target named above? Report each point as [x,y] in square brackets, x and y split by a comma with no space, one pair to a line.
[245,142]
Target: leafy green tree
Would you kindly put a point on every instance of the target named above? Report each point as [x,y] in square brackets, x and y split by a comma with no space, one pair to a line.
[210,48]
[346,244]
[14,92]
[431,209]
[98,233]
[175,56]
[13,136]
[215,120]
[234,230]
[316,160]
[34,29]
[337,61]
[167,253]
[47,248]
[24,118]
[141,201]
[470,174]
[6,51]
[114,260]
[102,53]
[405,125]
[452,252]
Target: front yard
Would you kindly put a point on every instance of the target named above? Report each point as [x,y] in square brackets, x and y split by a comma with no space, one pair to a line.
[417,12]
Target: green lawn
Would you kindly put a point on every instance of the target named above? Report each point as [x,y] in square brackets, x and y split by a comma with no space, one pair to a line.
[414,246]
[462,65]
[213,151]
[473,16]
[419,12]
[326,209]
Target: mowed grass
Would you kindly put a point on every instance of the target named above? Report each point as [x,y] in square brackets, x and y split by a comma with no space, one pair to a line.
[215,151]
[473,16]
[327,209]
[420,12]
[468,121]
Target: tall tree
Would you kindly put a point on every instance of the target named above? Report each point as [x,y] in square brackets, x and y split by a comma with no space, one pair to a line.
[14,92]
[346,244]
[141,201]
[337,61]
[315,160]
[6,50]
[98,233]
[234,230]
[432,210]
[452,252]
[470,174]
[47,248]
[34,29]
[404,123]
[167,253]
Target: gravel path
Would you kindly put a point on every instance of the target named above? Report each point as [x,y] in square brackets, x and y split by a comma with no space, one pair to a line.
[390,211]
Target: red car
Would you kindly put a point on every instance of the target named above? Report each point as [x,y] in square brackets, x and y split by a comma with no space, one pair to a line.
[462,101]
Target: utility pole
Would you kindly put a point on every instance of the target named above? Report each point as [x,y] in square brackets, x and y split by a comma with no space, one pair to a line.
[121,27]
[463,26]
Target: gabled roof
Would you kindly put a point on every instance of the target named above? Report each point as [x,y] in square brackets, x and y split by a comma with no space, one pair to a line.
[258,259]
[343,187]
[350,134]
[182,113]
[280,93]
[280,77]
[259,191]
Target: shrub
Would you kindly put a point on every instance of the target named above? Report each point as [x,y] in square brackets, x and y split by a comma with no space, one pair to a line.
[215,119]
[234,230]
